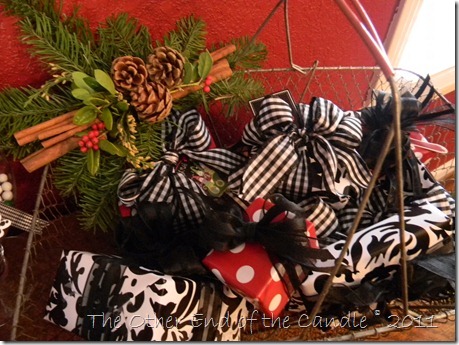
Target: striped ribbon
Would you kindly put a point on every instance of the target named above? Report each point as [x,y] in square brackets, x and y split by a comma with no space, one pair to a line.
[183,135]
[303,159]
[21,220]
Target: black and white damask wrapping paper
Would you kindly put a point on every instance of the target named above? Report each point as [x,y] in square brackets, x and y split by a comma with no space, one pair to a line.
[304,159]
[101,298]
[374,253]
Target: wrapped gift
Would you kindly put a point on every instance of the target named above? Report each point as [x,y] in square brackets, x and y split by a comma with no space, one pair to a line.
[100,297]
[186,139]
[256,274]
[374,252]
[249,270]
[304,158]
[258,208]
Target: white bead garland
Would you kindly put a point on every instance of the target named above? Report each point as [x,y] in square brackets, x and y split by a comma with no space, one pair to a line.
[7,195]
[3,177]
[7,186]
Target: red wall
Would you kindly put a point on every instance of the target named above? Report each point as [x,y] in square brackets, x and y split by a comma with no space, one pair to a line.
[319,31]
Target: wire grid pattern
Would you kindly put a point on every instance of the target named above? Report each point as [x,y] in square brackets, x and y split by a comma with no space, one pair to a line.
[348,87]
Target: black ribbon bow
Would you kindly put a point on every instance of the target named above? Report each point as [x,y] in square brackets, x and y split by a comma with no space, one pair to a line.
[224,230]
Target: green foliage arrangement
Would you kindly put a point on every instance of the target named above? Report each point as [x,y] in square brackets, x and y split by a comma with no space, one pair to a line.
[80,62]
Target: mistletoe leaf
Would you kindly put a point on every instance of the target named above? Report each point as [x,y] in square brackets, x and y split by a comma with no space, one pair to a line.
[112,148]
[93,161]
[204,64]
[79,80]
[189,73]
[85,115]
[95,101]
[94,84]
[107,118]
[80,93]
[105,81]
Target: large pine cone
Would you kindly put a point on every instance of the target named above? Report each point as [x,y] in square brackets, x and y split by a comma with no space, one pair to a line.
[166,66]
[152,101]
[128,73]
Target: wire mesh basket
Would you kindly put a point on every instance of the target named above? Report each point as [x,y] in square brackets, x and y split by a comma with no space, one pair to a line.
[348,87]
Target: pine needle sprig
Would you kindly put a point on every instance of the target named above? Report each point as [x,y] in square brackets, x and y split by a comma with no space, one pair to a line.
[122,35]
[236,92]
[248,54]
[189,37]
[57,46]
[98,195]
[20,110]
[29,8]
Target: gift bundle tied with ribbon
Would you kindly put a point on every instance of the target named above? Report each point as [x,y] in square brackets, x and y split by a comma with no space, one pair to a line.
[102,297]
[303,158]
[165,198]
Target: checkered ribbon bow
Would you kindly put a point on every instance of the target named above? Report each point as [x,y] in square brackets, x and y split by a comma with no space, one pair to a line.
[183,135]
[283,151]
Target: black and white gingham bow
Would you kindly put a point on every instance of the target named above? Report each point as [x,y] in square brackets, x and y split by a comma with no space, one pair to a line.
[183,135]
[283,151]
[302,158]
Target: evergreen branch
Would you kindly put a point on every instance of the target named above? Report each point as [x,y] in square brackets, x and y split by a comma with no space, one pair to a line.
[98,195]
[57,46]
[21,108]
[31,8]
[122,36]
[189,37]
[248,54]
[236,92]
[68,172]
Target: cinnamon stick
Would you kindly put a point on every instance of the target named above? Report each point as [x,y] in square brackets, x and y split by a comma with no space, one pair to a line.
[222,52]
[65,135]
[220,70]
[30,134]
[41,158]
[57,129]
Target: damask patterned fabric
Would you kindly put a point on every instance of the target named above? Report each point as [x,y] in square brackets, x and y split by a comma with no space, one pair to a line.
[374,252]
[99,297]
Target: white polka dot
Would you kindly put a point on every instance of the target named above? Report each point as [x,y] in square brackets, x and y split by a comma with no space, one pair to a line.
[238,249]
[275,302]
[257,215]
[274,274]
[218,274]
[245,274]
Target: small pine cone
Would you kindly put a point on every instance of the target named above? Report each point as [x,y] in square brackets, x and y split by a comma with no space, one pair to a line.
[128,73]
[152,101]
[166,66]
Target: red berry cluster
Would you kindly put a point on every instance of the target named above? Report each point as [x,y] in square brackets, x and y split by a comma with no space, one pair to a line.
[207,83]
[91,140]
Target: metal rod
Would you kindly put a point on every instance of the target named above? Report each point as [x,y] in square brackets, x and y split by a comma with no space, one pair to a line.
[366,196]
[25,262]
[397,110]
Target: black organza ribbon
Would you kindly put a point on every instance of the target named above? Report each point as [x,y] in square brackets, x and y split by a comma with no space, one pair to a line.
[223,230]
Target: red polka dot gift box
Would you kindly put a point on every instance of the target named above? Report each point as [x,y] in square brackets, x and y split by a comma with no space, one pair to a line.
[249,270]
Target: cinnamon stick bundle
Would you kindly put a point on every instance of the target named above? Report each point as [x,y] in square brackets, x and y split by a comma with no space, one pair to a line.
[30,134]
[47,155]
